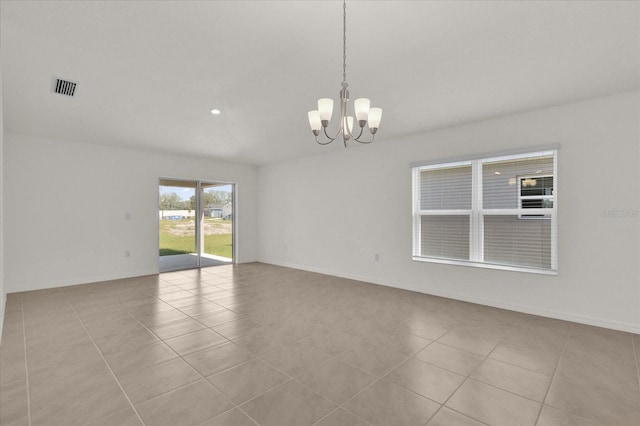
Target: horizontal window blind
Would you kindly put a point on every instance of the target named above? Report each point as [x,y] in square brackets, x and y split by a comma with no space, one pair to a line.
[498,211]
[446,189]
[509,240]
[445,236]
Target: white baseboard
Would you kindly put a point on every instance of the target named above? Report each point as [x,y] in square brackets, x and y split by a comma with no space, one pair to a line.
[598,322]
[80,280]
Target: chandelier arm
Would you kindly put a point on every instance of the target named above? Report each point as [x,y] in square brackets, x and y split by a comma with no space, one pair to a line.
[332,138]
[359,134]
[364,142]
[329,138]
[324,143]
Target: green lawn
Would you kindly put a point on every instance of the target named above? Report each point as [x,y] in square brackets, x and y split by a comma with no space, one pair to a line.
[170,244]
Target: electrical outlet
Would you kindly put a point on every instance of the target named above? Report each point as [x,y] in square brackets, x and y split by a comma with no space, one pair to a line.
[127,253]
[376,257]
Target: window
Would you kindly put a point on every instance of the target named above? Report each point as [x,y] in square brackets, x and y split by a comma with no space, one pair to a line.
[498,212]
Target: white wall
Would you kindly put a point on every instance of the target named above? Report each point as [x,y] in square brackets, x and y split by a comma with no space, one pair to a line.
[333,212]
[3,293]
[89,189]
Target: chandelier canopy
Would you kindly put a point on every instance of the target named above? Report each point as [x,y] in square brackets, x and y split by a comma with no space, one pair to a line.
[365,115]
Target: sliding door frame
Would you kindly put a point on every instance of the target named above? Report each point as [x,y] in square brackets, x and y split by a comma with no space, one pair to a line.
[199,216]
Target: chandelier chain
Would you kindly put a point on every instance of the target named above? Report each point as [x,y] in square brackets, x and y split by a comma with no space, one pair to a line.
[344,41]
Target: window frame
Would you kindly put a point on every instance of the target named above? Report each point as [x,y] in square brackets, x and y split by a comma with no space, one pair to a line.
[477,212]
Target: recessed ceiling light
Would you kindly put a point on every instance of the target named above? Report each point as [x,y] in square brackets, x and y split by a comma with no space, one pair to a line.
[215,111]
[497,173]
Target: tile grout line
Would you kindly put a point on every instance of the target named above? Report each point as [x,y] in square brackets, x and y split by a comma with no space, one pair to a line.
[338,406]
[190,366]
[346,411]
[407,359]
[489,357]
[376,381]
[440,405]
[86,330]
[467,377]
[471,353]
[290,378]
[26,363]
[555,370]
[258,357]
[224,412]
[416,393]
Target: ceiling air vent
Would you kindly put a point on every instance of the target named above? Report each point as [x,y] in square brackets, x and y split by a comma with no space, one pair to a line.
[64,87]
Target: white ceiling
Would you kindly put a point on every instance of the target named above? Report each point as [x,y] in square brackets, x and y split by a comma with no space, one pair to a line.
[149,72]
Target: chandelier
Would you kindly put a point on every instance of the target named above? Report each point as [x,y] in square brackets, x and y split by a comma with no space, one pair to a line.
[319,119]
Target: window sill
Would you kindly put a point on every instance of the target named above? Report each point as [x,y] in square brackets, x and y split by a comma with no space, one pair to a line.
[486,265]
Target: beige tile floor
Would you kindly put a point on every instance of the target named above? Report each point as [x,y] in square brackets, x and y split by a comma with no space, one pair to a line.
[257,344]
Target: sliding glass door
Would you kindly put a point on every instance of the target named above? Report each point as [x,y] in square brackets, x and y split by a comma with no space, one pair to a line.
[177,225]
[217,222]
[196,224]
